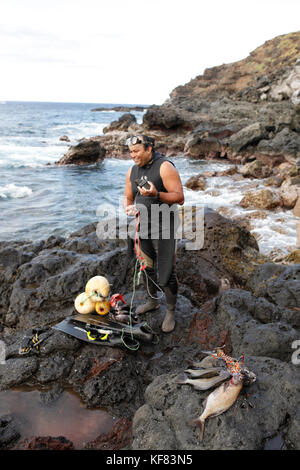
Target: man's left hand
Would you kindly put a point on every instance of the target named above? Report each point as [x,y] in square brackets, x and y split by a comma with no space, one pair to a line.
[148,192]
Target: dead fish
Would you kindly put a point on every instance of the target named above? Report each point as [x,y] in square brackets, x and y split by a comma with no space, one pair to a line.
[247,377]
[203,384]
[219,401]
[213,352]
[122,318]
[204,372]
[205,363]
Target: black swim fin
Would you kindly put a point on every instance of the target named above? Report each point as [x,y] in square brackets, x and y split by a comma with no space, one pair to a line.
[102,331]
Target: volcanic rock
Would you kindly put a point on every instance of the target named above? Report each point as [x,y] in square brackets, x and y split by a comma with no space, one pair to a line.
[64,138]
[118,438]
[86,152]
[289,193]
[46,443]
[296,210]
[247,136]
[196,183]
[286,143]
[168,118]
[262,199]
[230,109]
[288,86]
[234,111]
[164,421]
[9,433]
[255,169]
[121,124]
[251,313]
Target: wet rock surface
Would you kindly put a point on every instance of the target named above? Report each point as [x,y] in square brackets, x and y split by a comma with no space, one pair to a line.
[86,152]
[45,443]
[119,437]
[122,124]
[229,294]
[163,422]
[9,433]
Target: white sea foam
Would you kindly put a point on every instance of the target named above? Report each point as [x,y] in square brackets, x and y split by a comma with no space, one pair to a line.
[33,142]
[11,191]
[36,151]
[276,231]
[17,156]
[80,130]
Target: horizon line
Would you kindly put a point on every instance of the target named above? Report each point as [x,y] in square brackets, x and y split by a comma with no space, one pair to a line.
[3,101]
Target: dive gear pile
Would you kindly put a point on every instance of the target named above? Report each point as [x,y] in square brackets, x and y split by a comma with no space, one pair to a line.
[104,332]
[105,321]
[95,297]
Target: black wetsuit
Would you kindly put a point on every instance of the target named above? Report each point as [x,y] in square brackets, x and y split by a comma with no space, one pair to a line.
[157,238]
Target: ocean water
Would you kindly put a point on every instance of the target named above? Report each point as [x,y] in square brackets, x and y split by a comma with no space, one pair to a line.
[38,200]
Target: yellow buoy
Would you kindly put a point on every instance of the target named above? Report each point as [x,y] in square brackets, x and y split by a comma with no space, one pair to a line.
[83,304]
[102,307]
[97,288]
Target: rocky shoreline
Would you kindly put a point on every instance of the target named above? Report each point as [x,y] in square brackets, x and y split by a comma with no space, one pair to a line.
[248,114]
[244,111]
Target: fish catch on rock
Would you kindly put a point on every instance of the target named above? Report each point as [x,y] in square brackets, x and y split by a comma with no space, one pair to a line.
[223,397]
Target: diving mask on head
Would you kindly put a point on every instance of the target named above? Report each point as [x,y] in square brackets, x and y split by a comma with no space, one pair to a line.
[140,139]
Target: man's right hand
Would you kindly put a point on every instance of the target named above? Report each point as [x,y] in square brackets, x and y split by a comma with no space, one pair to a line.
[131,210]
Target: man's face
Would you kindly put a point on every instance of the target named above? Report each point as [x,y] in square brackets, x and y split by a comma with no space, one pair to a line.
[139,154]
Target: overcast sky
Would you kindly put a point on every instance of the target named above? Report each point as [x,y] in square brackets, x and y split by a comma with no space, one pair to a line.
[127,51]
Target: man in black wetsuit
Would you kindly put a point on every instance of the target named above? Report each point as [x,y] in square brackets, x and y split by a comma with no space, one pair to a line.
[157,244]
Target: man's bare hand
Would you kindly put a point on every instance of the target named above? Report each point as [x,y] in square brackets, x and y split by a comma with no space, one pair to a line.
[148,192]
[131,210]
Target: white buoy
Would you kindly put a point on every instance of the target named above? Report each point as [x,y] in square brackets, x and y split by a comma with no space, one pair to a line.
[83,304]
[97,288]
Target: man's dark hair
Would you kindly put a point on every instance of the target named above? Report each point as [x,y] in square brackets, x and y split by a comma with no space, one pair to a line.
[147,141]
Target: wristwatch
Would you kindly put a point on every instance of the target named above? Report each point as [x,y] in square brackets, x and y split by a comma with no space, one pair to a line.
[158,195]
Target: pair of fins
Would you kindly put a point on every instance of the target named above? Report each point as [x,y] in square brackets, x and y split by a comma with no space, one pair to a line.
[104,332]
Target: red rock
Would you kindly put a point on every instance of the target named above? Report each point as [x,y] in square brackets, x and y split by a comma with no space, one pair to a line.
[46,443]
[119,437]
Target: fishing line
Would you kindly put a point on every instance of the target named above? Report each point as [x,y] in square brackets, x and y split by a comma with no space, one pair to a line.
[142,261]
[93,293]
[134,348]
[139,260]
[158,287]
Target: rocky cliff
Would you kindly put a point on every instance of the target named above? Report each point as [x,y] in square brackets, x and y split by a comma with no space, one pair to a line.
[255,78]
[248,109]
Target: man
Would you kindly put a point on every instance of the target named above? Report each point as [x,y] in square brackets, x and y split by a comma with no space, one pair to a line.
[164,187]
